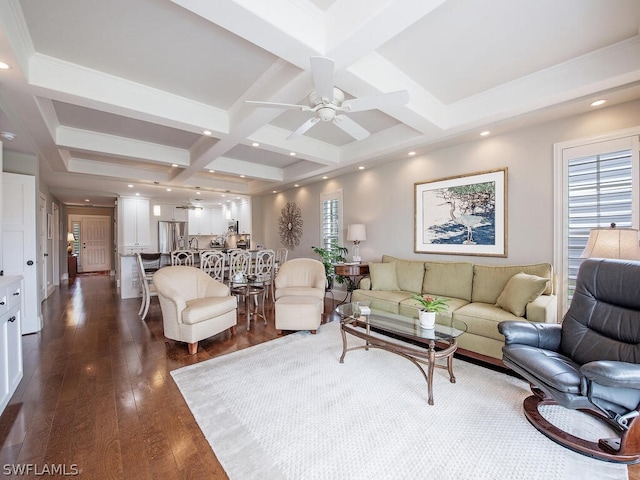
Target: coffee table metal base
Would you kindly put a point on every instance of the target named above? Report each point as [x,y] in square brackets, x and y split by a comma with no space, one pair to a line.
[418,356]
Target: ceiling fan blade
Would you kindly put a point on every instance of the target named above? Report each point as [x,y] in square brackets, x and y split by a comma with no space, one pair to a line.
[322,69]
[375,101]
[351,127]
[278,105]
[303,128]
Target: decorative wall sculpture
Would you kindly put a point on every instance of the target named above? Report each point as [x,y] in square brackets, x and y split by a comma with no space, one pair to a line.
[290,225]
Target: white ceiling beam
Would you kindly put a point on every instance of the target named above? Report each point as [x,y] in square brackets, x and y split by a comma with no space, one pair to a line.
[356,28]
[78,85]
[121,172]
[274,139]
[102,143]
[233,166]
[290,30]
[606,68]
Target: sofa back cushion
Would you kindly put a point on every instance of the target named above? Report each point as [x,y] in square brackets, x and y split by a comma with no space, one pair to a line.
[383,276]
[489,281]
[410,274]
[448,279]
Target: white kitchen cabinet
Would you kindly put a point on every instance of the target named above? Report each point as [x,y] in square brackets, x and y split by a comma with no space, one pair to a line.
[135,223]
[171,213]
[200,222]
[11,369]
[218,222]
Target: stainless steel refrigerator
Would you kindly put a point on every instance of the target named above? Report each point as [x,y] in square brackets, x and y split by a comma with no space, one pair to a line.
[172,236]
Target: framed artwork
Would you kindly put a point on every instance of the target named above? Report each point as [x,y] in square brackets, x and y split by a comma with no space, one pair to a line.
[49,226]
[464,215]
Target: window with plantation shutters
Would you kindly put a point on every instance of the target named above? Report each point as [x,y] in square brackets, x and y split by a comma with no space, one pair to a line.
[600,193]
[331,219]
[596,185]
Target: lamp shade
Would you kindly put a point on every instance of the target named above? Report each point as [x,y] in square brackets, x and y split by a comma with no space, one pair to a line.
[70,237]
[356,232]
[619,243]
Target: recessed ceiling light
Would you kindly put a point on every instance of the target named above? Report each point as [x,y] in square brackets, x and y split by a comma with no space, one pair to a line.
[8,135]
[137,194]
[324,177]
[212,171]
[485,133]
[293,154]
[206,132]
[241,176]
[411,154]
[360,167]
[223,195]
[130,186]
[4,66]
[255,144]
[597,103]
[87,200]
[296,185]
[168,189]
[174,165]
[275,191]
[197,193]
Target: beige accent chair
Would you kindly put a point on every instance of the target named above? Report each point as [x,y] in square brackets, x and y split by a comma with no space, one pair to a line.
[194,305]
[300,287]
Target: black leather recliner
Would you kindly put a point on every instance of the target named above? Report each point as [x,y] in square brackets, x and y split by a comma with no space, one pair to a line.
[590,362]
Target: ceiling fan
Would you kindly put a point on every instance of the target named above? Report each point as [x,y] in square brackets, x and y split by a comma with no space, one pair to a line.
[194,204]
[329,104]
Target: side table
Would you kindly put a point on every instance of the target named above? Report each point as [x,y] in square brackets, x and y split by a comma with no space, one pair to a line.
[353,273]
[72,265]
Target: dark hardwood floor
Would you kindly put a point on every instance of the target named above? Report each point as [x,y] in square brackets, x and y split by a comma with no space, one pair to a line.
[97,396]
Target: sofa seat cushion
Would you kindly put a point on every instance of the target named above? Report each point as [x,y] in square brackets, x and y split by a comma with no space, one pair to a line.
[380,300]
[207,308]
[410,307]
[483,318]
[519,291]
[558,371]
[383,276]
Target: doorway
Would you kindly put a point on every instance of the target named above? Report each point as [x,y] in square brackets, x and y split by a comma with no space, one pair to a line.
[93,235]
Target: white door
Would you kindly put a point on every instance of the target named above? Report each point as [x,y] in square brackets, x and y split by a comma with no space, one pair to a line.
[94,247]
[19,252]
[43,244]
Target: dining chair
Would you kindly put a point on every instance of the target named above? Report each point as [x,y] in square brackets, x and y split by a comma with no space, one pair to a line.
[182,257]
[213,263]
[147,288]
[264,268]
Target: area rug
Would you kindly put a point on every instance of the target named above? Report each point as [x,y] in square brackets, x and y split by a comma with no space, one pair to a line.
[287,409]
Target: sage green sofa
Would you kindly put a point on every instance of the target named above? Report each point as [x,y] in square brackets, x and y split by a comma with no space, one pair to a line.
[480,295]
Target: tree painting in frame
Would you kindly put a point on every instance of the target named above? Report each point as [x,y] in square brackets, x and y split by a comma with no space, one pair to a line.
[464,215]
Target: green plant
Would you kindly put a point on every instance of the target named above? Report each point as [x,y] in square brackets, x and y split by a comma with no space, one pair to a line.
[329,257]
[432,304]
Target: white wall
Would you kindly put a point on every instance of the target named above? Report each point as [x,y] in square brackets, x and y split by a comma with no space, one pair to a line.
[382,197]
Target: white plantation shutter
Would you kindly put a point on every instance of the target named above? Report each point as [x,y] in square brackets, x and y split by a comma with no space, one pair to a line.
[598,185]
[331,219]
[600,193]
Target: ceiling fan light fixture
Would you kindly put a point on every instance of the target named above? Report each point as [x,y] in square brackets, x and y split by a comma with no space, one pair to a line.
[326,114]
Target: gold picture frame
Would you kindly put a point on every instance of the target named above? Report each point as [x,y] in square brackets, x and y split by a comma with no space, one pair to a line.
[463,215]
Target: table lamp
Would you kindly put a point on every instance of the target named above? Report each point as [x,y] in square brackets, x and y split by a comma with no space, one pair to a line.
[612,243]
[356,233]
[70,239]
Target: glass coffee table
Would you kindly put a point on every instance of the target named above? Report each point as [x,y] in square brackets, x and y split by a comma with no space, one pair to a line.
[403,336]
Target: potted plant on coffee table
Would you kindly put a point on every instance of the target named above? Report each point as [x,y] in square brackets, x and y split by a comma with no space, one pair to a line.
[430,307]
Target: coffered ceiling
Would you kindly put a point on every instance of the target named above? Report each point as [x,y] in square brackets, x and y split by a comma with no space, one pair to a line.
[115,93]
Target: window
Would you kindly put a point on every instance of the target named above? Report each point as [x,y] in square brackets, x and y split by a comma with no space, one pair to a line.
[597,183]
[331,219]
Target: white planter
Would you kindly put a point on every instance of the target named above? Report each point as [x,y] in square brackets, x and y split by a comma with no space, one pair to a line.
[427,319]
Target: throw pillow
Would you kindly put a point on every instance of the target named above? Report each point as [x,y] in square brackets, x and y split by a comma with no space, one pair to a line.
[520,290]
[383,276]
